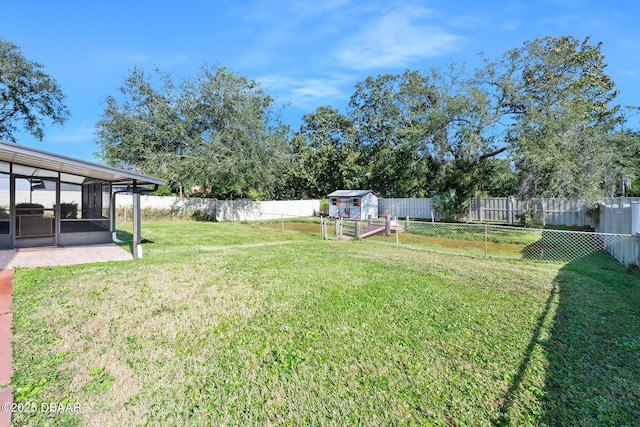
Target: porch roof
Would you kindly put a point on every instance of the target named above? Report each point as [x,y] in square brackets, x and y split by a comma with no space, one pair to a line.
[27,156]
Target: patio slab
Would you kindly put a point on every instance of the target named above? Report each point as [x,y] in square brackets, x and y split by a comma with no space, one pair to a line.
[68,255]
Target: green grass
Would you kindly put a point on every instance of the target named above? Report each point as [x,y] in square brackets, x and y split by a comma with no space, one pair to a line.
[235,324]
[476,232]
[508,242]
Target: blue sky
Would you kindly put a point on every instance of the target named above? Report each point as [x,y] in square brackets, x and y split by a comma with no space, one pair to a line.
[306,53]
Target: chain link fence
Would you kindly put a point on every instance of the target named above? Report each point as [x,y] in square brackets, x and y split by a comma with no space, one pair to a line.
[310,225]
[479,240]
[514,242]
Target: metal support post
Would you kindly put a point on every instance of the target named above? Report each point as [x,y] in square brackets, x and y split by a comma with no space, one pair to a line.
[137,239]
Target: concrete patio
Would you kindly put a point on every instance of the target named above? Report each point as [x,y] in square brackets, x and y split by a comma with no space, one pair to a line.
[69,255]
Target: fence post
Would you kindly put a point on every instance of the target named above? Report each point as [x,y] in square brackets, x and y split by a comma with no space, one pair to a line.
[486,232]
[369,219]
[358,229]
[635,230]
[137,238]
[326,232]
[387,225]
[406,222]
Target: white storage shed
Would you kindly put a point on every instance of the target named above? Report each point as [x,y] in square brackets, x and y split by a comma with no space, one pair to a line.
[353,204]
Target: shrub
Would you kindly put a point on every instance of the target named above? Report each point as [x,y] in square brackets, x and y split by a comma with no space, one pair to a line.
[324,207]
[451,204]
[125,214]
[164,190]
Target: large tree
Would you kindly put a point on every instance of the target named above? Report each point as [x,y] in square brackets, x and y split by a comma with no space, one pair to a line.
[217,133]
[561,103]
[547,107]
[426,133]
[28,95]
[399,140]
[326,155]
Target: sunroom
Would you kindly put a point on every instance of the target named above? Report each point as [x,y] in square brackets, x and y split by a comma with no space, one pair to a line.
[52,200]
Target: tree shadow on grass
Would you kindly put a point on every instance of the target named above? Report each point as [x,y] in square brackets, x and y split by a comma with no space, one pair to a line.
[565,246]
[592,376]
[511,396]
[593,351]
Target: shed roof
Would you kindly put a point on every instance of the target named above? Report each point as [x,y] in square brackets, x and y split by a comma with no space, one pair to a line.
[350,193]
[27,156]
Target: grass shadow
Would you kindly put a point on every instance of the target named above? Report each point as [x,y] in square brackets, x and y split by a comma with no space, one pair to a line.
[592,346]
[127,239]
[564,246]
[511,395]
[593,351]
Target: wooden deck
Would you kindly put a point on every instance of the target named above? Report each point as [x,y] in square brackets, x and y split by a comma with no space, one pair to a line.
[370,230]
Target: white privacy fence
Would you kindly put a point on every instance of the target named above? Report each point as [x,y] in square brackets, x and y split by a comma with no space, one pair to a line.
[413,207]
[233,210]
[621,215]
[545,211]
[226,210]
[496,209]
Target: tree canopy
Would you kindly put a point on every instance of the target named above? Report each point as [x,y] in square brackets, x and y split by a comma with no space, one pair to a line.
[217,134]
[540,120]
[28,95]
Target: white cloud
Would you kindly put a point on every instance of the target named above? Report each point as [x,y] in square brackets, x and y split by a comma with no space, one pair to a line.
[72,134]
[396,39]
[510,25]
[118,58]
[306,93]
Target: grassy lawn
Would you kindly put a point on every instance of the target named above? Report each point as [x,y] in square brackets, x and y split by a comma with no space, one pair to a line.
[235,324]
